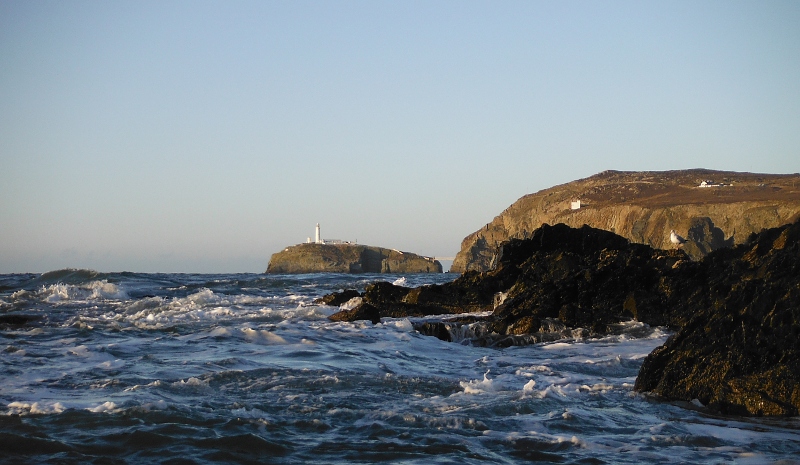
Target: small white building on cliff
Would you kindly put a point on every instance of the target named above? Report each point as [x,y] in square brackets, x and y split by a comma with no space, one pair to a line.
[319,240]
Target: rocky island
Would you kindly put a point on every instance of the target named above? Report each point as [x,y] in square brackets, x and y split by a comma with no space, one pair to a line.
[349,258]
[711,209]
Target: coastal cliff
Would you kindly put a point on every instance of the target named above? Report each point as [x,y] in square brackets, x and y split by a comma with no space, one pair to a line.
[349,258]
[711,209]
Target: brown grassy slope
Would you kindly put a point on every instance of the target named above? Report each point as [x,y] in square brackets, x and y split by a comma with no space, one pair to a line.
[644,207]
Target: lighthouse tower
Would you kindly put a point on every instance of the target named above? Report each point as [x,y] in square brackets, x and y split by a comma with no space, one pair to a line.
[318,240]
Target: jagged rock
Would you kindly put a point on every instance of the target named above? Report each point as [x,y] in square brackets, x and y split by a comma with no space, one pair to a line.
[643,207]
[436,329]
[739,353]
[338,298]
[349,258]
[383,292]
[471,292]
[364,311]
[587,278]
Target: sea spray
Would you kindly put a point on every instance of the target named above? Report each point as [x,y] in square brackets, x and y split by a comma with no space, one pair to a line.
[204,368]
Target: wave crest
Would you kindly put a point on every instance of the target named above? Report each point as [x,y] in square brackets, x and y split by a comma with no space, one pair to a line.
[68,276]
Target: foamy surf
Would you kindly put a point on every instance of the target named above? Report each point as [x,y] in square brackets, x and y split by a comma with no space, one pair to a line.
[234,368]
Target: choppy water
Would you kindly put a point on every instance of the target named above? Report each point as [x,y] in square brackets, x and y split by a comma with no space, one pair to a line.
[173,368]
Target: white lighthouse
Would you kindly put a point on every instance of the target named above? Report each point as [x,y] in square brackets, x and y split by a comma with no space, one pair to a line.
[318,240]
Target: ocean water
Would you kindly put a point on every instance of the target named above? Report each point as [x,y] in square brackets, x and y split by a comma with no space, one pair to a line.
[245,368]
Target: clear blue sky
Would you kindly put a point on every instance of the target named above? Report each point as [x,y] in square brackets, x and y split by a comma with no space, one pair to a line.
[203,136]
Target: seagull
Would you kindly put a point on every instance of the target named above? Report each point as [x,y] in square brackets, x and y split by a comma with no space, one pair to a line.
[676,239]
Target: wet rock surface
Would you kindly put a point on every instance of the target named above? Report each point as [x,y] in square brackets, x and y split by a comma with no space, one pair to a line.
[338,298]
[737,311]
[583,277]
[363,311]
[739,353]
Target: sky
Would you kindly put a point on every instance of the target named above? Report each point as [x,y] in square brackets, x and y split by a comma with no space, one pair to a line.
[204,136]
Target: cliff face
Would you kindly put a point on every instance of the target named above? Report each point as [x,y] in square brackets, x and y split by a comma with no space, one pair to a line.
[349,258]
[643,207]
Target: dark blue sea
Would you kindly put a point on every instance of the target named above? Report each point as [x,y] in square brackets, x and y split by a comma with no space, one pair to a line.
[246,368]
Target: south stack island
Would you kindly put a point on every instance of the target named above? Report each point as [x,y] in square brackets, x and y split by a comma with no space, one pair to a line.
[338,256]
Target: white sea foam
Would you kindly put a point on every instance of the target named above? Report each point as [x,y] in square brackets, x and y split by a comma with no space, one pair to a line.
[351,304]
[202,306]
[151,406]
[105,407]
[400,324]
[94,290]
[262,336]
[268,356]
[192,384]
[111,364]
[478,386]
[155,383]
[599,387]
[34,408]
[80,351]
[220,332]
[529,386]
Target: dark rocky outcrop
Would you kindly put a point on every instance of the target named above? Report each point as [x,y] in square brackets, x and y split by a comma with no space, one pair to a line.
[585,277]
[737,310]
[363,311]
[739,353]
[338,298]
[349,258]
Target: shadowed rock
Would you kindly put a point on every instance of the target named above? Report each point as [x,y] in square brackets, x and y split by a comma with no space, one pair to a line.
[736,310]
[739,353]
[364,311]
[338,298]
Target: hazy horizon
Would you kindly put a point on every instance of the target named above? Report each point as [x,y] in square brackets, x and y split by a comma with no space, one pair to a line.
[205,136]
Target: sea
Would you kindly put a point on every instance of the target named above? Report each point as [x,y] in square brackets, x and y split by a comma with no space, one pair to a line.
[247,368]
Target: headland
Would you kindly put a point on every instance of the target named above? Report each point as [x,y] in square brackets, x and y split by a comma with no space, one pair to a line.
[711,209]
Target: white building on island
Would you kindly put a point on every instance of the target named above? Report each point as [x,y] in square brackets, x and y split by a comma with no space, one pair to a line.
[319,240]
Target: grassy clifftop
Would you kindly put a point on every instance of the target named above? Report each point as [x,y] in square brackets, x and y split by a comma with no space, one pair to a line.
[643,207]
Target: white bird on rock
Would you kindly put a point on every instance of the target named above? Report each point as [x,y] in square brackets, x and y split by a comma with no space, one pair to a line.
[676,239]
